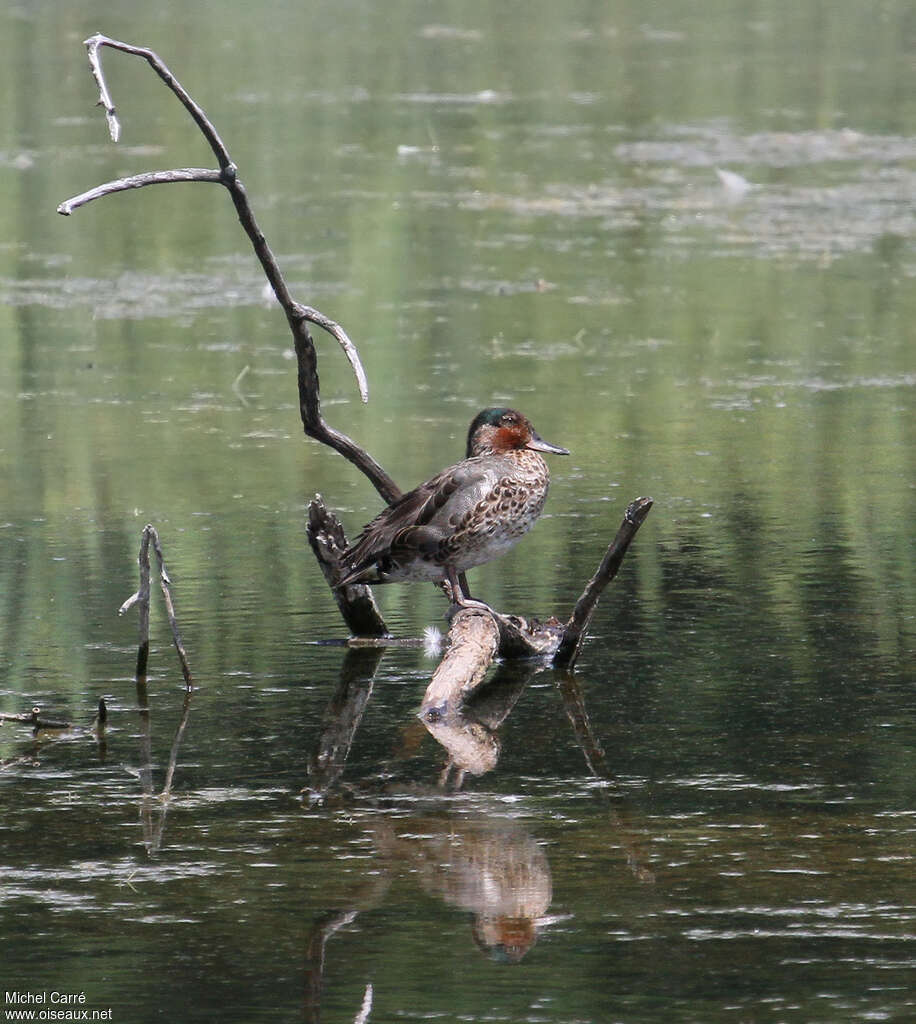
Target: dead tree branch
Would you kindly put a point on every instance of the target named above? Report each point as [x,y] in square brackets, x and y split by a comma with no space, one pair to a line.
[141,597]
[298,315]
[571,642]
[140,181]
[356,603]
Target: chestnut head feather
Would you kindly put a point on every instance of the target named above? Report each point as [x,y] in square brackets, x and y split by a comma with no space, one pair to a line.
[502,430]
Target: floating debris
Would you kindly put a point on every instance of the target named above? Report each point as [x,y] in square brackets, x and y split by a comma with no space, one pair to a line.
[736,187]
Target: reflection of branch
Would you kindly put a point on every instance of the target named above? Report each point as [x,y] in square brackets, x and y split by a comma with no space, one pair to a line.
[322,930]
[146,763]
[574,702]
[153,839]
[152,836]
[166,793]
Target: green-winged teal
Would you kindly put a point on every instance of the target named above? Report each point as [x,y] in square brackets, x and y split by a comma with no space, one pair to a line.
[464,516]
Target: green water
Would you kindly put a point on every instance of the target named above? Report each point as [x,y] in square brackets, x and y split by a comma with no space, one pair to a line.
[509,203]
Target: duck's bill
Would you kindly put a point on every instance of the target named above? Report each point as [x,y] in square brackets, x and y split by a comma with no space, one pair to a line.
[538,444]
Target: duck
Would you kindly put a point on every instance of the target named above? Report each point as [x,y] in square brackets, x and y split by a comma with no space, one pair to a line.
[464,516]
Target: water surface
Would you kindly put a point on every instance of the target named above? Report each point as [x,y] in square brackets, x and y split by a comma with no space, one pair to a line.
[713,820]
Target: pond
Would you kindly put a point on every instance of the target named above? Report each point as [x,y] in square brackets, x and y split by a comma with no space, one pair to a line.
[680,238]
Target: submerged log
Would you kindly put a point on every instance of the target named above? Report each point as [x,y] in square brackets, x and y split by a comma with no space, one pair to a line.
[34,719]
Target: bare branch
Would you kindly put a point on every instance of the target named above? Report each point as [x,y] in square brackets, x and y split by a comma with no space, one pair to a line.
[94,43]
[141,597]
[333,328]
[204,174]
[105,100]
[569,647]
[165,585]
[297,315]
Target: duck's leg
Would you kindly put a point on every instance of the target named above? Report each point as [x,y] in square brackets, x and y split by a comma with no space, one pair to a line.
[457,583]
[456,591]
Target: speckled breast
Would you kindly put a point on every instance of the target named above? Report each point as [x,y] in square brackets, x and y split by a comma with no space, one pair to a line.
[502,516]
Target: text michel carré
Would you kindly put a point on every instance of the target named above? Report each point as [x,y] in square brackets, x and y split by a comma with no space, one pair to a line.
[54,998]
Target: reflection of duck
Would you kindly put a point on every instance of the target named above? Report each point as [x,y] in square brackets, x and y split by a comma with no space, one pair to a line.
[496,870]
[464,516]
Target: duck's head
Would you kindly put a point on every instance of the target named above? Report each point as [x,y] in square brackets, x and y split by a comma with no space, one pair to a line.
[503,430]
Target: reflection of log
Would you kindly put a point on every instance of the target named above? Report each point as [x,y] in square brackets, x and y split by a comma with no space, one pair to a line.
[468,730]
[341,722]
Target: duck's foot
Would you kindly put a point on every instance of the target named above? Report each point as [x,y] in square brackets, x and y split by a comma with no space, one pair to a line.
[471,602]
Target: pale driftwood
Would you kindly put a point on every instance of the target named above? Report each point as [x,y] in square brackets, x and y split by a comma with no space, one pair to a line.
[473,641]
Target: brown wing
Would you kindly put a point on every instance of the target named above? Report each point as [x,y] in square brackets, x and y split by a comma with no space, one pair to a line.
[418,521]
